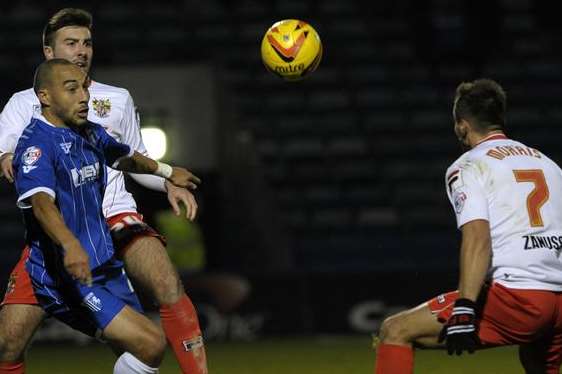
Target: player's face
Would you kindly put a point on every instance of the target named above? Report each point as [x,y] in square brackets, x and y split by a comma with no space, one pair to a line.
[69,95]
[73,43]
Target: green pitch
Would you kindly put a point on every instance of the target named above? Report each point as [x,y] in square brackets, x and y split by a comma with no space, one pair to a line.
[315,355]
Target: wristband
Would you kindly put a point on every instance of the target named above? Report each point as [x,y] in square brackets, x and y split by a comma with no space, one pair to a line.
[163,170]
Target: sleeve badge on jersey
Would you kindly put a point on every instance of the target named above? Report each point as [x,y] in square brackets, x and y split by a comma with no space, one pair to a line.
[459,198]
[30,157]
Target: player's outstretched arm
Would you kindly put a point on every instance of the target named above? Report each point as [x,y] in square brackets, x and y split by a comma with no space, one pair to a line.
[76,259]
[138,163]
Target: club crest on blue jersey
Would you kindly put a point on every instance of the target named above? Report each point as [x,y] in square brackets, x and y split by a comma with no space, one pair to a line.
[102,107]
[85,174]
[92,302]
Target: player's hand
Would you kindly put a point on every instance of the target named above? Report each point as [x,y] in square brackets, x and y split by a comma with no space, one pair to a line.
[460,330]
[184,178]
[6,166]
[177,195]
[76,263]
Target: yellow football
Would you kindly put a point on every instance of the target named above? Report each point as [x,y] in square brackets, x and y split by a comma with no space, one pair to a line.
[291,49]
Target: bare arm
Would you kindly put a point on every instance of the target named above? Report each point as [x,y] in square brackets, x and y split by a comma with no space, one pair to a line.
[138,163]
[50,219]
[476,253]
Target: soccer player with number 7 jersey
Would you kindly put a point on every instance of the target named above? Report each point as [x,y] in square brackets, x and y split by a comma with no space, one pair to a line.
[507,198]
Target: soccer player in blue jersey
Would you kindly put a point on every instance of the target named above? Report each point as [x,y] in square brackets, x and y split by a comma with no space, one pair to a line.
[68,34]
[60,177]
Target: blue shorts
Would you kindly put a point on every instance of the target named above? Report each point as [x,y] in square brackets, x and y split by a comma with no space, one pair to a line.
[86,309]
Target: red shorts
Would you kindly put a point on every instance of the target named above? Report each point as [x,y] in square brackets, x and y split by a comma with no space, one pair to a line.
[513,316]
[125,229]
[19,289]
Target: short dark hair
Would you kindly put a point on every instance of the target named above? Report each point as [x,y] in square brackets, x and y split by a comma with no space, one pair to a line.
[44,72]
[482,102]
[63,18]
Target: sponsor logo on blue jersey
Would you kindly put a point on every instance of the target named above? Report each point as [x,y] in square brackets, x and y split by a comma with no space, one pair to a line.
[86,174]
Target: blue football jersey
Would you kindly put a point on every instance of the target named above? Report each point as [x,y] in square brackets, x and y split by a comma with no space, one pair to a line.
[68,165]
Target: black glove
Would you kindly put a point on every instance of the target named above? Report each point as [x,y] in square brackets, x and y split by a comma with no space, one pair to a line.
[460,330]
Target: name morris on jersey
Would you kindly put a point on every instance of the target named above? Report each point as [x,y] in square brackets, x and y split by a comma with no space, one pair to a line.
[85,174]
[501,152]
[537,241]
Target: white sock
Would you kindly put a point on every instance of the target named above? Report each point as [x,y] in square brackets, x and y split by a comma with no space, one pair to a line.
[129,364]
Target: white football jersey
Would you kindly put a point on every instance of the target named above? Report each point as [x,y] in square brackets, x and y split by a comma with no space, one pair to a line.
[111,107]
[518,190]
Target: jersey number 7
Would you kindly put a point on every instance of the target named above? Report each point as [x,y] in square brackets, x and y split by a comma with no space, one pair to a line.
[538,196]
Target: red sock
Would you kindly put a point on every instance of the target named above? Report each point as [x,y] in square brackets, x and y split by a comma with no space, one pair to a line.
[394,359]
[12,368]
[181,327]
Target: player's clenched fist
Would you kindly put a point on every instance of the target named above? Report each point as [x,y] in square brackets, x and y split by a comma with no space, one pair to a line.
[76,263]
[460,330]
[184,178]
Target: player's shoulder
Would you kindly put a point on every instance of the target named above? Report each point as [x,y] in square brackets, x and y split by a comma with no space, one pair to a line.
[470,163]
[35,134]
[95,126]
[117,93]
[27,97]
[460,163]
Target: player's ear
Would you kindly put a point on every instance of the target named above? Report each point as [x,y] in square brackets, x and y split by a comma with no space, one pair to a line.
[44,97]
[48,52]
[464,125]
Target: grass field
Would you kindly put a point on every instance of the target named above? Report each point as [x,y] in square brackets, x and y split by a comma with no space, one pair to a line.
[316,355]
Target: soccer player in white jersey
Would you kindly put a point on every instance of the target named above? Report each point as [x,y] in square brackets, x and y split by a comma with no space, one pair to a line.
[68,35]
[507,198]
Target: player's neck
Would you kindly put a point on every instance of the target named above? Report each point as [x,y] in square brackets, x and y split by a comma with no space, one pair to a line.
[53,119]
[477,138]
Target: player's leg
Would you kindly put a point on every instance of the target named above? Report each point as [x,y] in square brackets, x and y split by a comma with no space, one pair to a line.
[533,357]
[18,323]
[111,308]
[395,353]
[20,316]
[544,355]
[148,265]
[135,333]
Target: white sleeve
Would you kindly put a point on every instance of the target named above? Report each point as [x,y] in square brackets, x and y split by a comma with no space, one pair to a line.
[14,118]
[152,182]
[466,194]
[130,124]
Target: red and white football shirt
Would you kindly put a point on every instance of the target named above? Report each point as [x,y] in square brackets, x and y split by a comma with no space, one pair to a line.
[518,190]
